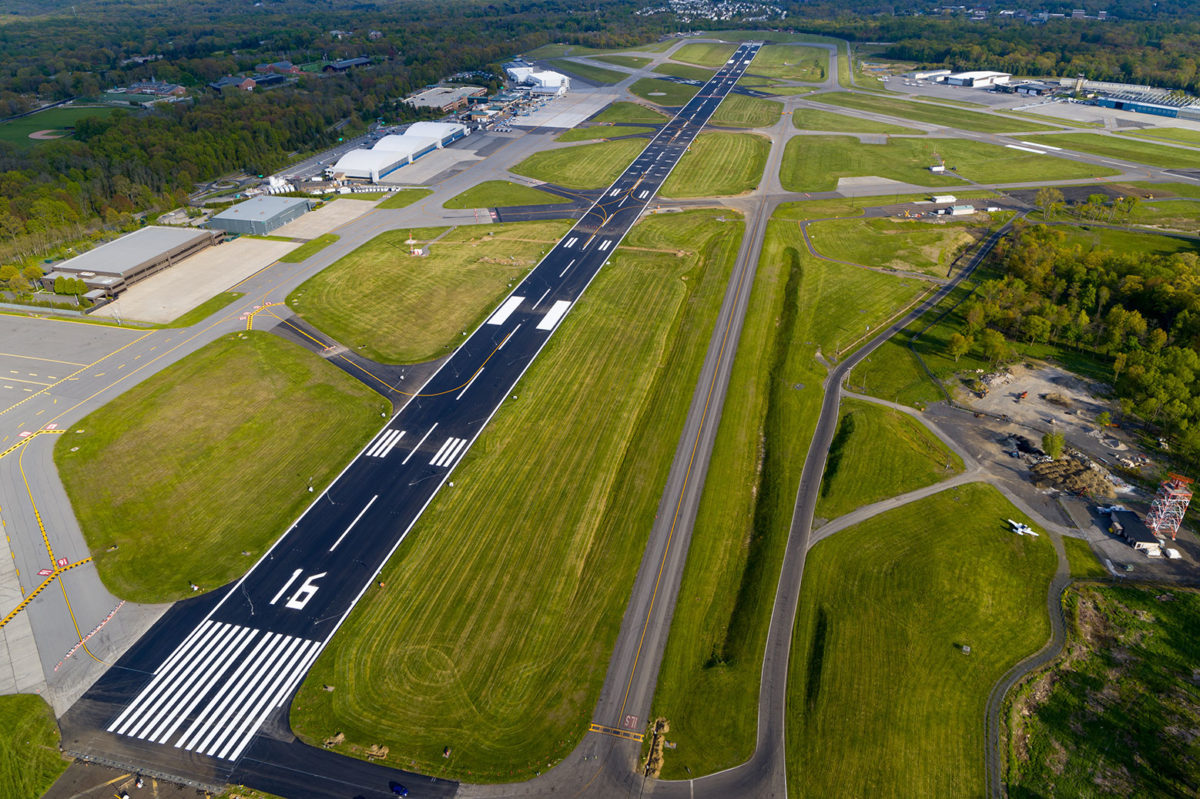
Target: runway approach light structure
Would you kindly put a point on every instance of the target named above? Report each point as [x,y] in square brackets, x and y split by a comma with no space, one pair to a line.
[1169,506]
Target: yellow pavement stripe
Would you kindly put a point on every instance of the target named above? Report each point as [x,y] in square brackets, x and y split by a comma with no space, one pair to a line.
[613,731]
[41,587]
[36,358]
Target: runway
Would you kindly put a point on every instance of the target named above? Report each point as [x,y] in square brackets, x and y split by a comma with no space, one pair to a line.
[190,699]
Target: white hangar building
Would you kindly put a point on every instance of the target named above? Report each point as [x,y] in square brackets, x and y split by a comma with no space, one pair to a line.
[392,152]
[540,81]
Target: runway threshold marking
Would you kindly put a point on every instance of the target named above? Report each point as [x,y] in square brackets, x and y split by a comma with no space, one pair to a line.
[616,733]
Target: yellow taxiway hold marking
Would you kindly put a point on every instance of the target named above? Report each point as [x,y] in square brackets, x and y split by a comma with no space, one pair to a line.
[613,731]
[12,614]
[27,439]
[250,318]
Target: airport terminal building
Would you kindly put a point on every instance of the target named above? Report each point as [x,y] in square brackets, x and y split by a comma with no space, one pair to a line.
[111,268]
[260,215]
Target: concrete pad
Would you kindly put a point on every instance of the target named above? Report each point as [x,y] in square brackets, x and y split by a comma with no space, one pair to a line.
[871,182]
[427,167]
[174,291]
[567,111]
[325,219]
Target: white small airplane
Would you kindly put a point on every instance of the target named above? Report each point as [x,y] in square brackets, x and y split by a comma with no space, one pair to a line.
[1022,529]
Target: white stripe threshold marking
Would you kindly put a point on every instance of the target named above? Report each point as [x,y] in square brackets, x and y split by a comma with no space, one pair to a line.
[1039,144]
[383,445]
[557,311]
[504,311]
[236,676]
[1026,149]
[449,451]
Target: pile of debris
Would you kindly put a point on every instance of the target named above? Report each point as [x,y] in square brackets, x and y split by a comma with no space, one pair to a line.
[1077,477]
[654,758]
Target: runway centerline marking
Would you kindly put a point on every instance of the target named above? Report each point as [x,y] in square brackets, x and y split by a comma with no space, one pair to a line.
[351,527]
[419,443]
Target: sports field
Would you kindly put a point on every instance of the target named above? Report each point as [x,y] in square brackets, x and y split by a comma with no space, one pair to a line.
[631,112]
[883,699]
[30,761]
[914,246]
[394,307]
[719,164]
[709,680]
[1141,152]
[814,163]
[706,54]
[933,114]
[498,193]
[589,72]
[740,111]
[585,166]
[494,630]
[215,454]
[791,62]
[812,119]
[55,119]
[663,92]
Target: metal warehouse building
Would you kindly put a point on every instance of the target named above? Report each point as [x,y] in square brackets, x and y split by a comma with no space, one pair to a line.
[111,268]
[260,215]
[392,152]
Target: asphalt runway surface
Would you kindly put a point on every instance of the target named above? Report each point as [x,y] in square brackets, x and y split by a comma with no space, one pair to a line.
[190,699]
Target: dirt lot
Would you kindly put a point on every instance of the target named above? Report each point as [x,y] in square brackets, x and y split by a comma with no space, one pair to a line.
[177,290]
[325,219]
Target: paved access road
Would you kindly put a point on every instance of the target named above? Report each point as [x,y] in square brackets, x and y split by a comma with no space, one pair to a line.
[191,700]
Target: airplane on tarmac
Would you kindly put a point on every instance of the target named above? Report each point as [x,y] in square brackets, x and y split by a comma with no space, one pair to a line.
[1022,529]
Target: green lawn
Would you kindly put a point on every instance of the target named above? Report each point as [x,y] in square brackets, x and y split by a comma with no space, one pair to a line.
[1159,189]
[719,164]
[812,119]
[1115,716]
[791,62]
[585,166]
[398,308]
[706,54]
[405,198]
[30,761]
[814,163]
[1130,242]
[931,113]
[498,193]
[631,61]
[709,680]
[883,701]
[740,111]
[1181,214]
[1141,152]
[590,72]
[1083,561]
[502,656]
[1172,135]
[594,132]
[17,131]
[916,245]
[878,453]
[558,50]
[205,309]
[663,92]
[684,71]
[631,112]
[214,454]
[310,248]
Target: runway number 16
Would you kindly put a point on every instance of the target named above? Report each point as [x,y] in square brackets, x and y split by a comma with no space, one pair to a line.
[305,592]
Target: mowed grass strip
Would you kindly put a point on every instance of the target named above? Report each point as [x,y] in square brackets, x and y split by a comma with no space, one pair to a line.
[1082,560]
[213,456]
[30,760]
[791,62]
[814,163]
[631,112]
[405,198]
[494,629]
[496,193]
[1140,152]
[589,72]
[706,54]
[1173,135]
[877,453]
[709,680]
[883,701]
[309,248]
[719,164]
[394,307]
[813,119]
[594,132]
[663,92]
[740,111]
[905,245]
[684,71]
[585,166]
[947,116]
[631,61]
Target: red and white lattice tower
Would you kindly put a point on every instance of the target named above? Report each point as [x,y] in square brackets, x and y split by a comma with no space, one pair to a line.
[1169,505]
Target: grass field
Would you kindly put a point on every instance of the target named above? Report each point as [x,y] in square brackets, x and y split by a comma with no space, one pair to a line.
[740,111]
[1125,241]
[631,112]
[684,71]
[1114,716]
[791,62]
[1141,152]
[405,198]
[878,453]
[397,308]
[663,92]
[1181,214]
[1082,560]
[883,701]
[719,164]
[594,132]
[631,61]
[814,163]
[309,248]
[706,54]
[215,453]
[204,309]
[585,166]
[932,114]
[1173,135]
[498,193]
[509,592]
[927,247]
[812,119]
[1161,189]
[17,131]
[30,761]
[590,72]
[709,680]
